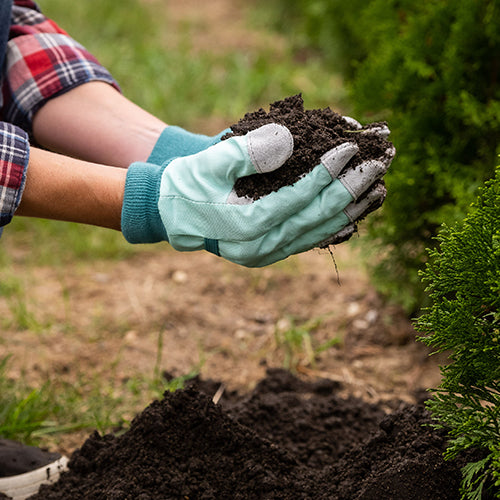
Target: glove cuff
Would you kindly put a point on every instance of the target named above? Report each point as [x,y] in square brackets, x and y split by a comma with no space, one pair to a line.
[175,141]
[141,221]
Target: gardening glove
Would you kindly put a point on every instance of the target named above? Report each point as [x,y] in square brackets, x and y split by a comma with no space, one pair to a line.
[190,202]
[313,226]
[175,141]
[373,128]
[373,199]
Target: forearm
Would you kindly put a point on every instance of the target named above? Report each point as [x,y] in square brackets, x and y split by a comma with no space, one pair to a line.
[63,188]
[96,123]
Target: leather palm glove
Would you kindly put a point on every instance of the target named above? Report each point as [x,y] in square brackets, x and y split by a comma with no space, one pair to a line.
[190,201]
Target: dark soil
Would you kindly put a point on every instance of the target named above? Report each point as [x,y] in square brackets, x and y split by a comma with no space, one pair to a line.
[314,133]
[288,439]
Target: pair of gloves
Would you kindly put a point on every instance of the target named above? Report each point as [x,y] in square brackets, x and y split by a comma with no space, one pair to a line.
[184,195]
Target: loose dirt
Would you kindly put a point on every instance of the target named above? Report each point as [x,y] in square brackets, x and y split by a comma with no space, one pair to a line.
[287,439]
[314,131]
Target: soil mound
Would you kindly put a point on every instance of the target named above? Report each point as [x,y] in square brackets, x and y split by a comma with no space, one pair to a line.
[287,439]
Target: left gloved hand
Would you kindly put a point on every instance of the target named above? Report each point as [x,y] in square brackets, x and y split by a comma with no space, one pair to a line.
[175,141]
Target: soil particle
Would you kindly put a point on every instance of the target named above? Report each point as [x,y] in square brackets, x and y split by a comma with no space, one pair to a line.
[314,131]
[287,439]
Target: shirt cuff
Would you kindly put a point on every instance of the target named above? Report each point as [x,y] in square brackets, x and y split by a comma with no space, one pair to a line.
[14,158]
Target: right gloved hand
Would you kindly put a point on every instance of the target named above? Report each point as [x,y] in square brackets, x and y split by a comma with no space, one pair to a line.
[191,202]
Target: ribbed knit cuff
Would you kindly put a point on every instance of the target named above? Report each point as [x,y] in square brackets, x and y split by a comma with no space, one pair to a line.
[175,141]
[141,221]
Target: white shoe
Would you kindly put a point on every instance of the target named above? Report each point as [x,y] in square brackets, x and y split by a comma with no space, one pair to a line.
[26,468]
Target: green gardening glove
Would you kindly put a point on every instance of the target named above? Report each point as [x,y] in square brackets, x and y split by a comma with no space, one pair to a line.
[175,141]
[191,202]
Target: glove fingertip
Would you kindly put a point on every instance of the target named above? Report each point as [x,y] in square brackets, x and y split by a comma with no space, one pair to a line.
[337,158]
[269,147]
[339,237]
[369,203]
[352,122]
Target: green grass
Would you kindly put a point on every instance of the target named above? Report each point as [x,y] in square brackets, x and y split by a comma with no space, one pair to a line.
[36,414]
[181,86]
[298,344]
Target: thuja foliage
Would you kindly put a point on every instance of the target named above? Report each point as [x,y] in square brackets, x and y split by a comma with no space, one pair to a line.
[431,69]
[463,281]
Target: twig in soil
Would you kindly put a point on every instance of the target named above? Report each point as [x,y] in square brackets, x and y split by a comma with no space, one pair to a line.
[218,394]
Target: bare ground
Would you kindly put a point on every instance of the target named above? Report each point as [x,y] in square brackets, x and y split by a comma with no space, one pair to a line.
[196,311]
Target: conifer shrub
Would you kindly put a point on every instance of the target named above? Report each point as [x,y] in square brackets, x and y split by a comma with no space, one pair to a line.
[431,69]
[463,319]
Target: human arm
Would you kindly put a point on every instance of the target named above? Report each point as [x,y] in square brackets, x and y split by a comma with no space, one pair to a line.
[64,188]
[38,183]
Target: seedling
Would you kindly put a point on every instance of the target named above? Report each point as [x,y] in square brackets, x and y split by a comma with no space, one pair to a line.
[297,342]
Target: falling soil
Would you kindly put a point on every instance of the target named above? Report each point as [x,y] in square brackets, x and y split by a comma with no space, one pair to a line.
[287,439]
[314,131]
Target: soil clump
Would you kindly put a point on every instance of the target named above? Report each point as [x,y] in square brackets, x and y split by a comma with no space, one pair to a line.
[287,439]
[314,131]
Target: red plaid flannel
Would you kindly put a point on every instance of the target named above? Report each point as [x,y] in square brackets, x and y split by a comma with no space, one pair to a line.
[42,62]
[14,152]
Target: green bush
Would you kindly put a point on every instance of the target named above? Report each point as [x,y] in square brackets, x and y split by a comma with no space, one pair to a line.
[432,70]
[463,277]
[327,27]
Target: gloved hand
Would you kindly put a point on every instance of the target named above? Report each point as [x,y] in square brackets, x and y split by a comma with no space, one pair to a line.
[191,203]
[175,141]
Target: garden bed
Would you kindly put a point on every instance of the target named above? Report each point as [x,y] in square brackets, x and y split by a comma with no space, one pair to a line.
[288,438]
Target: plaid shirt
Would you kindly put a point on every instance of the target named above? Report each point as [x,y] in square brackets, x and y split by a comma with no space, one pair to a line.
[41,62]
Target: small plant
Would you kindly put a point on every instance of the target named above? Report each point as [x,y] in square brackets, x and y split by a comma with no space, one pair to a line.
[297,342]
[23,411]
[463,277]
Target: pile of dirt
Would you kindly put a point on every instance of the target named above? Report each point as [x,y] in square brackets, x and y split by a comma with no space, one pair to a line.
[287,439]
[314,131]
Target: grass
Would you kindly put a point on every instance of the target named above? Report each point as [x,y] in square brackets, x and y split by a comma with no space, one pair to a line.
[159,69]
[36,415]
[297,343]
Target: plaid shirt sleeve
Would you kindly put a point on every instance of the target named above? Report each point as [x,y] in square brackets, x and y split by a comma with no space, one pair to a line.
[42,62]
[14,156]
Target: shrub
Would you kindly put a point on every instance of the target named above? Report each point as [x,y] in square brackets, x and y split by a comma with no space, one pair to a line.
[463,277]
[431,69]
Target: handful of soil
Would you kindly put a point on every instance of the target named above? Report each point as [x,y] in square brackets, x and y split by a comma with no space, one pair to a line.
[314,132]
